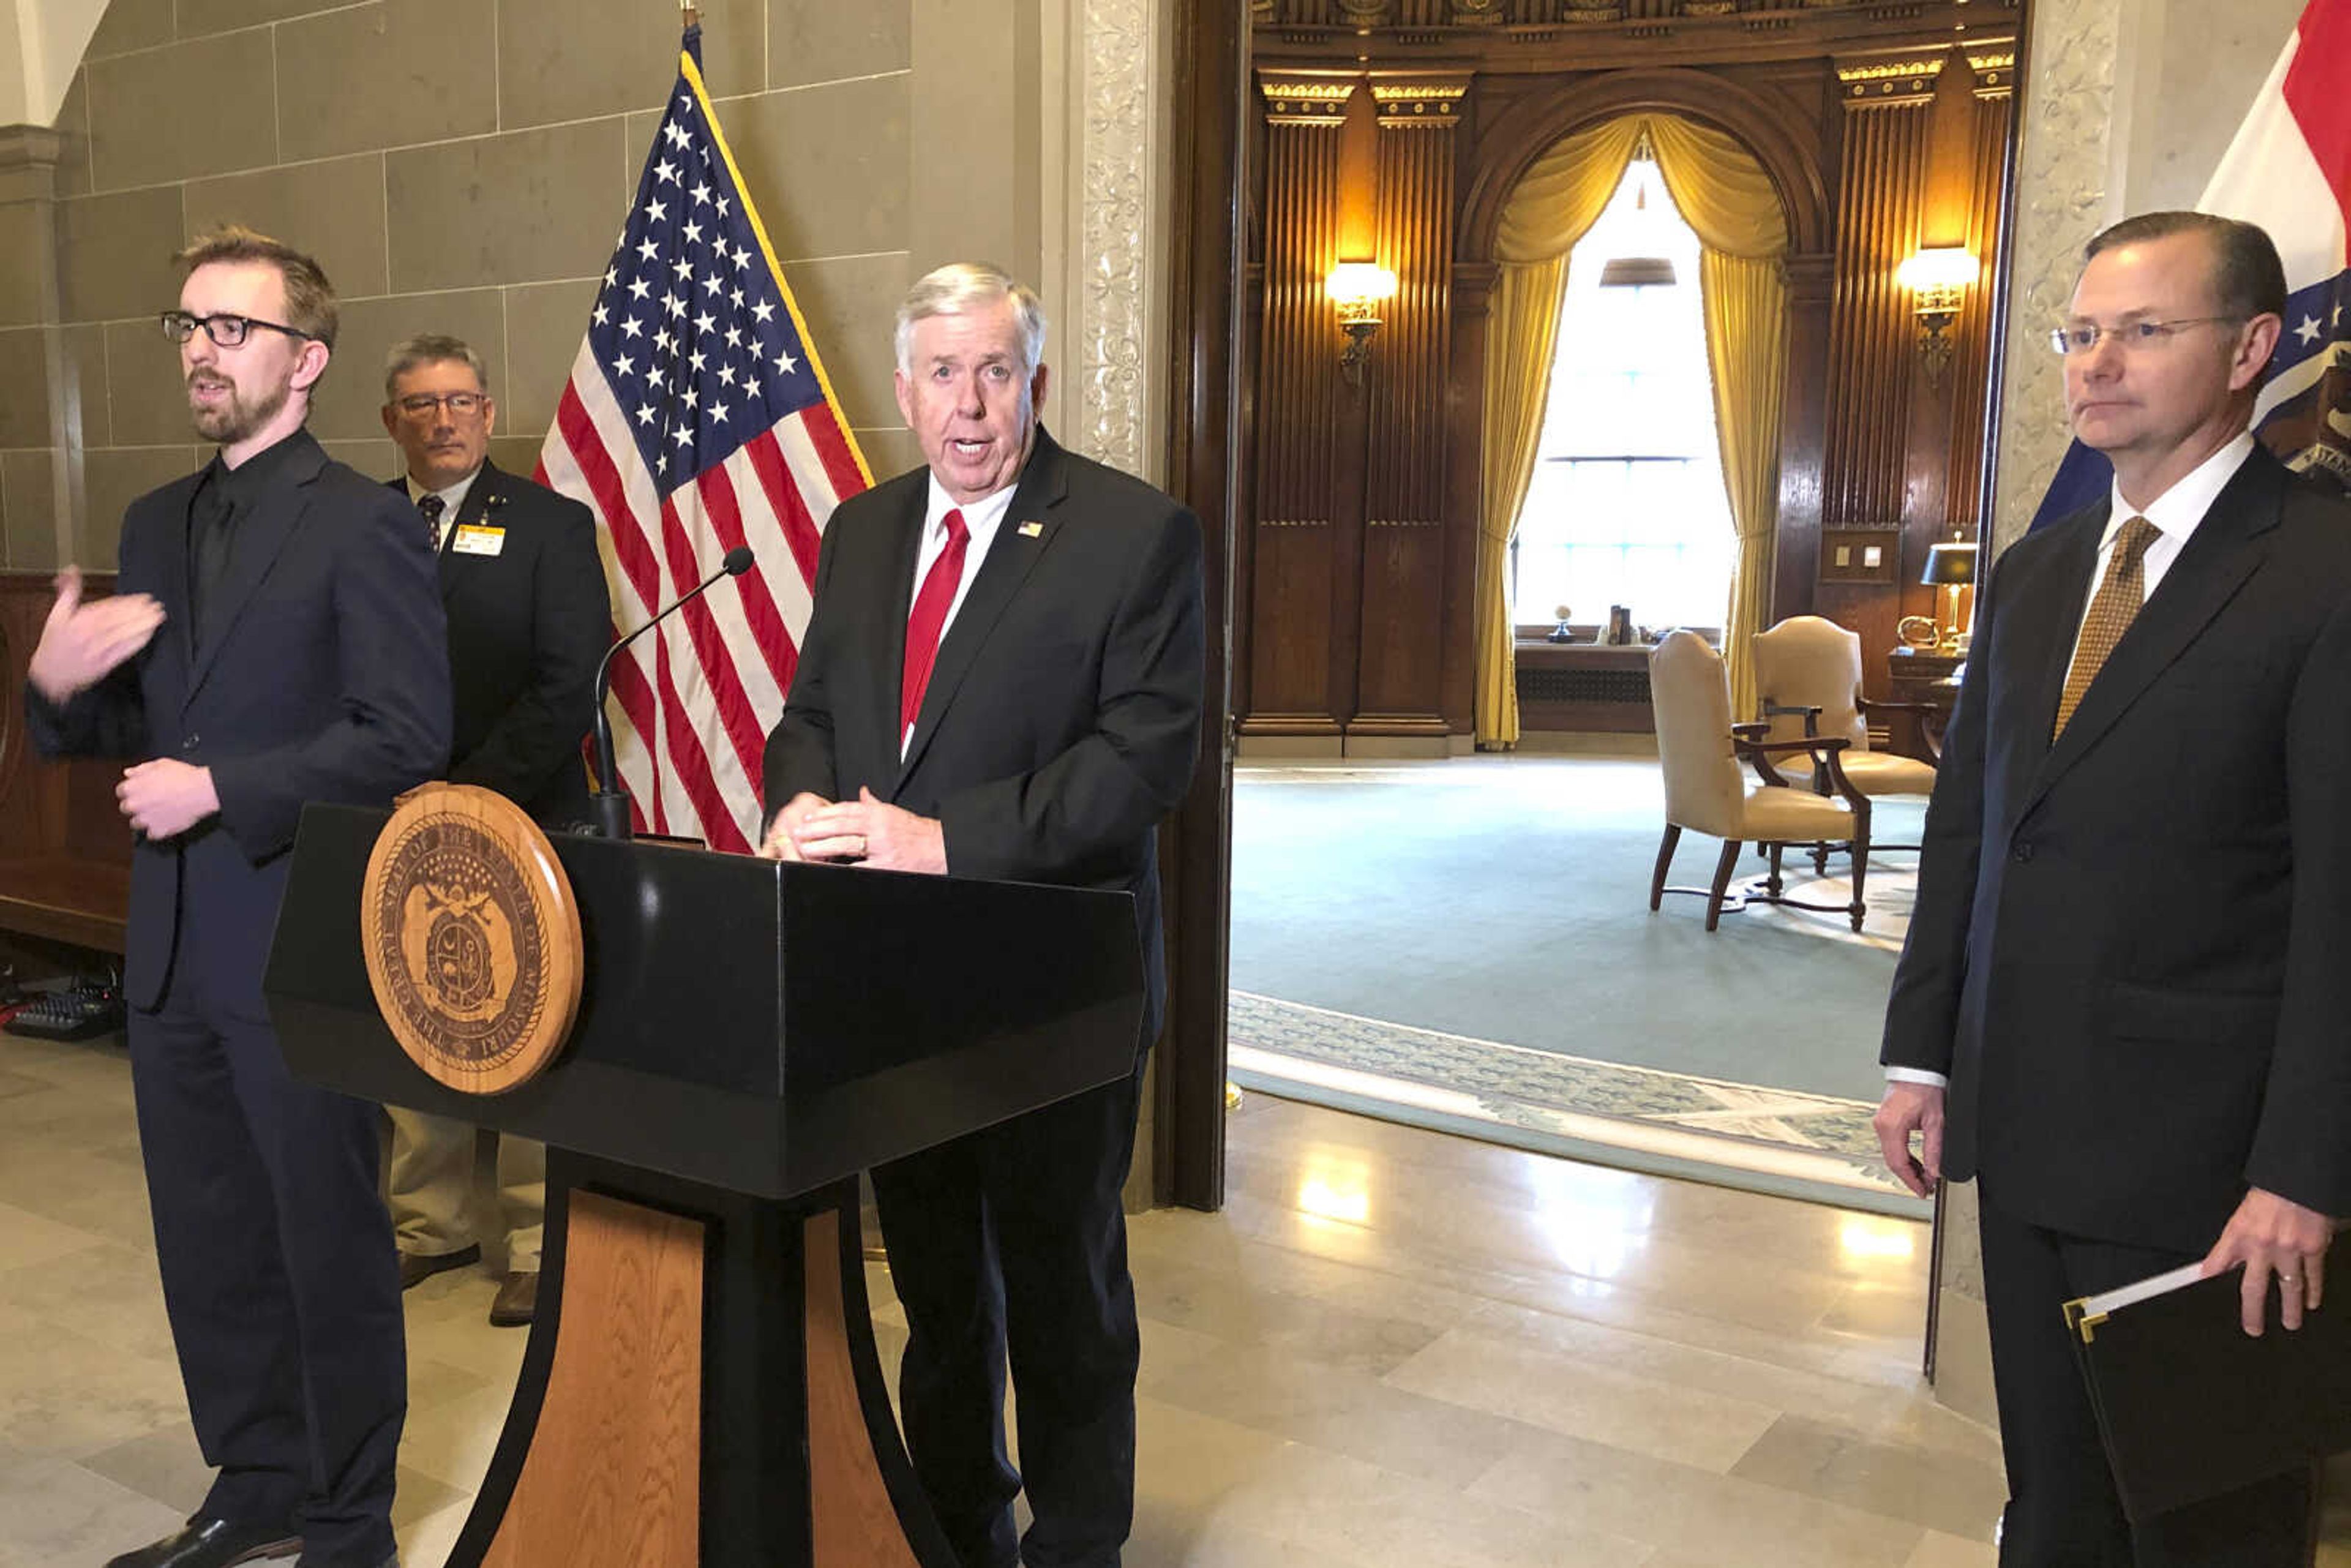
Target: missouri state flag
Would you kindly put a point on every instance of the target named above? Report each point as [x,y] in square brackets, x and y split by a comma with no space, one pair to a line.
[2289,170]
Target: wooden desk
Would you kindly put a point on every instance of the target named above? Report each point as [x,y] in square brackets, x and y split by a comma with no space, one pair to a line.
[65,850]
[1919,677]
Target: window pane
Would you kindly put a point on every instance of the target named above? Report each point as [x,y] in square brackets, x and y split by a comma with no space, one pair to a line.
[1626,504]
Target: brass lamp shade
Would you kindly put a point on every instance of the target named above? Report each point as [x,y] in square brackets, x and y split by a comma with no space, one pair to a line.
[1949,565]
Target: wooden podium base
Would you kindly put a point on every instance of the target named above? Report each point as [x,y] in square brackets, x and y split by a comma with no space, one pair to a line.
[701,1390]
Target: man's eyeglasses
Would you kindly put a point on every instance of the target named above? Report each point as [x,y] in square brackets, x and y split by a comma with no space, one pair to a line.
[420,405]
[228,331]
[2082,338]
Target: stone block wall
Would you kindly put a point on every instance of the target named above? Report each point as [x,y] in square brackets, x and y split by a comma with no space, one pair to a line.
[463,166]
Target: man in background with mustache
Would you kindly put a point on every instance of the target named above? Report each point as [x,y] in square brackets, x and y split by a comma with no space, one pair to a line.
[275,637]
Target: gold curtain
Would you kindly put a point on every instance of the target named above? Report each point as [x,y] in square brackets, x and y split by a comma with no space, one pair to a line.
[1746,354]
[1555,203]
[1727,197]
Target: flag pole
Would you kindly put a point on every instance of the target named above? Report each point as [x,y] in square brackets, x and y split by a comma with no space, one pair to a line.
[691,16]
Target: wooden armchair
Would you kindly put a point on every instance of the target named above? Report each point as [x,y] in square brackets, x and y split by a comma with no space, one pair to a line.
[1807,677]
[1701,752]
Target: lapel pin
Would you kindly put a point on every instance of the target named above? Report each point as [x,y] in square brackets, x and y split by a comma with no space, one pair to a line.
[1031,531]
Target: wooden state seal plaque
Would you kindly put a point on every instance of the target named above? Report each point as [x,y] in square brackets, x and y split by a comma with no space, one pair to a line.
[471,937]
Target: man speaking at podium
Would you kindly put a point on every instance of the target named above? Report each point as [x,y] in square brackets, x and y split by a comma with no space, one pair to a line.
[1002,678]
[2123,1001]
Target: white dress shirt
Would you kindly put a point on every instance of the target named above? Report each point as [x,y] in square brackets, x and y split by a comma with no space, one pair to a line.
[452,498]
[2175,516]
[981,518]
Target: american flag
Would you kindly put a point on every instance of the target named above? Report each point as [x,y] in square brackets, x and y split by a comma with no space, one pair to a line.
[698,419]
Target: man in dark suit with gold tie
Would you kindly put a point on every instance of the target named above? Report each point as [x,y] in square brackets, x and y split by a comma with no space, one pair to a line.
[2123,1004]
[1003,678]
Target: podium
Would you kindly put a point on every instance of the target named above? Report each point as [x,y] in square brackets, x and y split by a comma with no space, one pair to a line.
[701,1385]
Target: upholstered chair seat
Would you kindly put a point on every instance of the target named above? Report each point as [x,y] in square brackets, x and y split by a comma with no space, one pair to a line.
[1701,753]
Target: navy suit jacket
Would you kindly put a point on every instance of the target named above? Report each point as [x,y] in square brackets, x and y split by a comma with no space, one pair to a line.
[2130,949]
[526,627]
[1063,714]
[326,678]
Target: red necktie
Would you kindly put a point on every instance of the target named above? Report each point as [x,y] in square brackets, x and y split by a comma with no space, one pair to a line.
[928,618]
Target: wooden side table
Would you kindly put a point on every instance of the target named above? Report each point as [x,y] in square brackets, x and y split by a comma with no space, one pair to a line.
[1920,677]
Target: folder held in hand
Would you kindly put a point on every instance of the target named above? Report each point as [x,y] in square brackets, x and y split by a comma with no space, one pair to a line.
[2190,1406]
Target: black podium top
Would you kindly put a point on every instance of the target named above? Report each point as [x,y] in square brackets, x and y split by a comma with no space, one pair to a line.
[759,1027]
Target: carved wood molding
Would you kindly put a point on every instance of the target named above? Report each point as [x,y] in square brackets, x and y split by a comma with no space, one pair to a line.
[1405,103]
[1995,71]
[1566,35]
[1902,79]
[1306,98]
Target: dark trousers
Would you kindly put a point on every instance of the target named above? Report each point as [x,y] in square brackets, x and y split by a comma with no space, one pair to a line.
[1012,1242]
[278,1271]
[2063,1511]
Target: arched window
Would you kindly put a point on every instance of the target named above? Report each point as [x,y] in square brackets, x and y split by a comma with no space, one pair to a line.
[1626,504]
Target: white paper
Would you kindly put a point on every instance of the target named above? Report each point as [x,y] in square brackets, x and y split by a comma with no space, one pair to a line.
[2160,1285]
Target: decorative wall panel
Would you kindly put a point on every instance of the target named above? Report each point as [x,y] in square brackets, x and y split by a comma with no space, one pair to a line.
[1401,648]
[1871,349]
[1291,617]
[1964,484]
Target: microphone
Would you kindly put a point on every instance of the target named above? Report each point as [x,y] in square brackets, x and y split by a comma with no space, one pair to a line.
[611,801]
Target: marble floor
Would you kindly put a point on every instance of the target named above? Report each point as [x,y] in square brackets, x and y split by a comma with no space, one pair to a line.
[1392,1347]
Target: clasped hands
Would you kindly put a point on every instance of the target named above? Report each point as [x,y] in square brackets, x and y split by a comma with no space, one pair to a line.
[866,831]
[81,645]
[2268,1236]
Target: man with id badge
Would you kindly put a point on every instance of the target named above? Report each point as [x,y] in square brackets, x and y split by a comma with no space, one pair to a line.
[528,619]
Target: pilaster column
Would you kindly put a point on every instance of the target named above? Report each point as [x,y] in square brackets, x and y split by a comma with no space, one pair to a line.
[40,419]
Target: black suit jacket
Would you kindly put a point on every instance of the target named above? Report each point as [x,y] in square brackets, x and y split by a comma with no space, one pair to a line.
[526,627]
[326,678]
[1063,714]
[2128,952]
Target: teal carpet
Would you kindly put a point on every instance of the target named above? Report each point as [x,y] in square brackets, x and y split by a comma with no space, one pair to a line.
[1468,945]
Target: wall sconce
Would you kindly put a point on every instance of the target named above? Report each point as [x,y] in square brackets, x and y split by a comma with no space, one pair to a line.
[1951,565]
[1356,288]
[1938,277]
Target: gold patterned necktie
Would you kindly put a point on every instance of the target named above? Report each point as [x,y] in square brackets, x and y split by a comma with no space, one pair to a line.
[2120,593]
[432,507]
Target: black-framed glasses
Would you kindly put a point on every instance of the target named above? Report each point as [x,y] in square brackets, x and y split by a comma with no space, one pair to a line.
[228,331]
[461,405]
[2082,337]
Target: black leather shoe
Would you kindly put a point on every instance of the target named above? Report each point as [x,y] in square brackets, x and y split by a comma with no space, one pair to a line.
[214,1544]
[416,1268]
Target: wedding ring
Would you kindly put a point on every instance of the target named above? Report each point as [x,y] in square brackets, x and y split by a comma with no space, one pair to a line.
[2287,1280]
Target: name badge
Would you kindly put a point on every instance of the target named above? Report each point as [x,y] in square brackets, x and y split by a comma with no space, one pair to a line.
[473,538]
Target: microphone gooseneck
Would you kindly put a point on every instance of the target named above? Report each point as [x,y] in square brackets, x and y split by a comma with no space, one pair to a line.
[611,801]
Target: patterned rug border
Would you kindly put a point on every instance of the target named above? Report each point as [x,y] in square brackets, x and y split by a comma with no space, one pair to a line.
[1757,1136]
